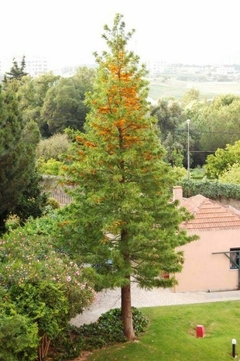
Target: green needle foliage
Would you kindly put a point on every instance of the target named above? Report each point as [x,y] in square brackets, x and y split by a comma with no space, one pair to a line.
[122,211]
[20,192]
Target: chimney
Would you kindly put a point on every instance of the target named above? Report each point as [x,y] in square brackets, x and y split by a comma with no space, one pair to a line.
[177,193]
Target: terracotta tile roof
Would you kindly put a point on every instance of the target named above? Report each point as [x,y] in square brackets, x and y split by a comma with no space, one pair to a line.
[209,215]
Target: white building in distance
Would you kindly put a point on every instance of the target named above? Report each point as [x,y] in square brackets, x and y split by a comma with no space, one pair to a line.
[35,65]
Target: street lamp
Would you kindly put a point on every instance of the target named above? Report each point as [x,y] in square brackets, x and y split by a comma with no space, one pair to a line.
[234,342]
[188,153]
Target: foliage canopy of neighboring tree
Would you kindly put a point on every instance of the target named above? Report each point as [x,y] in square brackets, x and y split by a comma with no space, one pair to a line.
[170,117]
[32,93]
[219,123]
[18,141]
[222,160]
[122,211]
[64,105]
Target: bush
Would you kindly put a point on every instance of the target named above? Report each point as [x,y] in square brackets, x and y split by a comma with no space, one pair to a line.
[53,203]
[108,330]
[231,175]
[53,147]
[51,206]
[210,189]
[43,285]
[12,222]
[18,334]
[179,173]
[49,167]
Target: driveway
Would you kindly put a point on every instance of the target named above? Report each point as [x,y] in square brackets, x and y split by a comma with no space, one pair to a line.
[109,299]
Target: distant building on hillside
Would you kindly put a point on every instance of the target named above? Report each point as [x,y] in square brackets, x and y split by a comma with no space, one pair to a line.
[155,66]
[35,65]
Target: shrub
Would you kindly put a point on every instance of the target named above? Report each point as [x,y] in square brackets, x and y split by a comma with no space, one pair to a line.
[108,330]
[210,189]
[51,206]
[46,305]
[53,203]
[18,334]
[179,173]
[53,147]
[12,222]
[49,167]
[42,284]
[231,175]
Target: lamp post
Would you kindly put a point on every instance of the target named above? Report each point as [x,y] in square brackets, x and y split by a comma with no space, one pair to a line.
[234,342]
[188,153]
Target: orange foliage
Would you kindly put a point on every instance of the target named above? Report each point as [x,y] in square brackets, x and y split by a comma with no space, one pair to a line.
[113,68]
[90,144]
[122,93]
[79,139]
[104,110]
[119,123]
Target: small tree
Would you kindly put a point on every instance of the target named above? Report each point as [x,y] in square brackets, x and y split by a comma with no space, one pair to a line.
[122,210]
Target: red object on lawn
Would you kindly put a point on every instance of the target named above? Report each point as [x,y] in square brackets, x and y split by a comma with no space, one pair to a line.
[200,331]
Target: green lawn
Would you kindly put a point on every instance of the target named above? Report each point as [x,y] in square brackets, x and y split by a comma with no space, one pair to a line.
[171,335]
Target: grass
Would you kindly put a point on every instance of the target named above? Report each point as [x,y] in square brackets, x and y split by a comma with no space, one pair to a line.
[171,335]
[197,173]
[177,88]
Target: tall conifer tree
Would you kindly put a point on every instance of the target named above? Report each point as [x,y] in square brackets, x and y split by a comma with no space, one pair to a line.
[18,142]
[122,211]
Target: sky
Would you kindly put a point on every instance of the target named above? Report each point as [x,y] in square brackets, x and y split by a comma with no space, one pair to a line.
[67,32]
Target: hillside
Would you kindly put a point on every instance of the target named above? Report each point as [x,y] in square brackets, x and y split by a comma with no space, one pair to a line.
[172,87]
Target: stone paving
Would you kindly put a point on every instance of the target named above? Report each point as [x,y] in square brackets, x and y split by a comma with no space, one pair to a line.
[109,299]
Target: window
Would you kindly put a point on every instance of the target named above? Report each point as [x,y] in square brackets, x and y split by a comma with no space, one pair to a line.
[234,255]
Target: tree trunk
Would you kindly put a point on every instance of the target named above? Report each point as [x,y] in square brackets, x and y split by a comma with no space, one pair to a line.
[126,308]
[43,348]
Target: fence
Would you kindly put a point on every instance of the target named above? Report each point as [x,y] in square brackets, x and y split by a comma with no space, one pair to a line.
[52,186]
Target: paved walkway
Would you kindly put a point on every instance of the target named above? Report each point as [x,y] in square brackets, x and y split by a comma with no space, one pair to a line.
[109,299]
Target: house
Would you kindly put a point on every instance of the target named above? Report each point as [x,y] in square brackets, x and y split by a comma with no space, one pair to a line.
[212,262]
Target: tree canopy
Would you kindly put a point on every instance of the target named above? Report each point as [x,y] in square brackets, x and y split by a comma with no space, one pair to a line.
[32,93]
[64,105]
[121,218]
[18,141]
[170,117]
[223,160]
